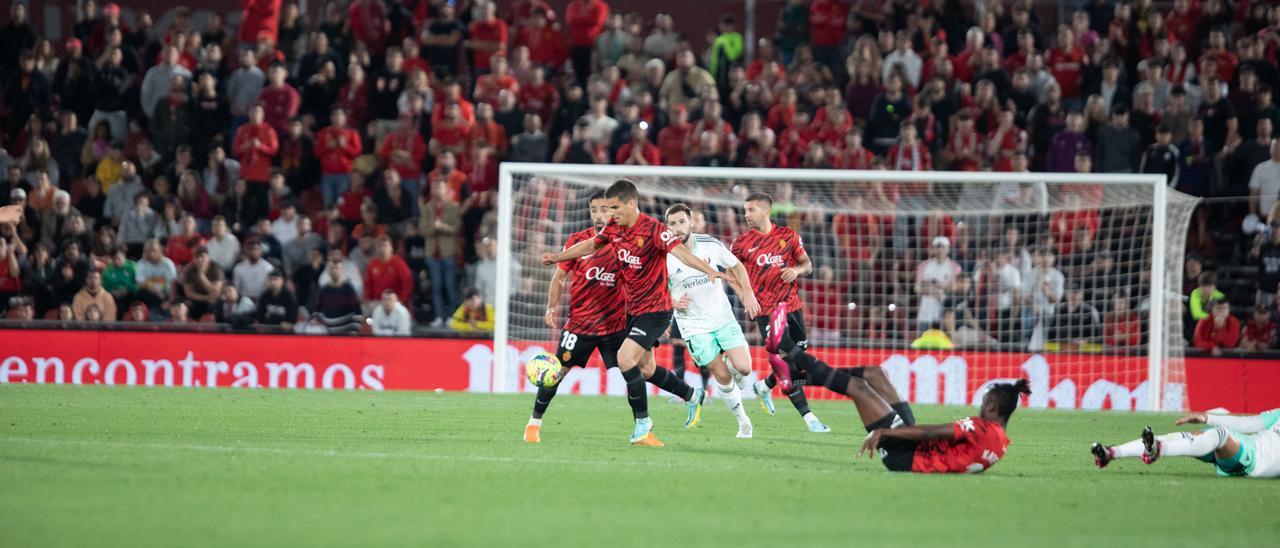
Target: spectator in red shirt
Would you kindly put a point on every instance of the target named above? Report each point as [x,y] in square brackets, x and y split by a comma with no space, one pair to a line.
[403,150]
[487,37]
[1220,330]
[181,247]
[279,100]
[1218,52]
[639,151]
[453,133]
[350,202]
[1182,23]
[1066,63]
[447,170]
[259,16]
[386,270]
[453,94]
[500,78]
[539,96]
[586,19]
[1122,327]
[1260,333]
[546,45]
[337,147]
[854,155]
[369,24]
[963,152]
[255,145]
[672,138]
[488,132]
[353,97]
[827,29]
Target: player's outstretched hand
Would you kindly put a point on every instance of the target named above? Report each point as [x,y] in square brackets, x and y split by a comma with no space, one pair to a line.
[549,258]
[10,214]
[550,317]
[870,444]
[1193,418]
[682,303]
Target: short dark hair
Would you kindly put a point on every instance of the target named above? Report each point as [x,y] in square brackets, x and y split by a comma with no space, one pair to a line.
[760,197]
[595,195]
[1005,396]
[470,293]
[623,190]
[1207,278]
[679,208]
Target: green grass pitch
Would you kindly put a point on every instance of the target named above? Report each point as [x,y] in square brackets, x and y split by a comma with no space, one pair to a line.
[103,466]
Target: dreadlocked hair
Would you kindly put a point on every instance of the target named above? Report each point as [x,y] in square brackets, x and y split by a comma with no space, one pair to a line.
[1006,396]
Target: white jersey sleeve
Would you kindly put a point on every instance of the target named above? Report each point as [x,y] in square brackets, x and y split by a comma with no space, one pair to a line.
[709,307]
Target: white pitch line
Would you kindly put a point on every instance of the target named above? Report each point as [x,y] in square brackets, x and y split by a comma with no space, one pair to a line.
[332,453]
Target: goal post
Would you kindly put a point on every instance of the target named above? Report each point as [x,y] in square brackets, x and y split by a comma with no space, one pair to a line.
[871,235]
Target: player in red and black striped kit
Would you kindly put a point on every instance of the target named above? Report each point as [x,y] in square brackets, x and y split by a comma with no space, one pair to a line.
[641,244]
[968,445]
[775,259]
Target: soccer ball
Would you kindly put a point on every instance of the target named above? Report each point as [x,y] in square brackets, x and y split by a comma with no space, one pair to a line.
[543,370]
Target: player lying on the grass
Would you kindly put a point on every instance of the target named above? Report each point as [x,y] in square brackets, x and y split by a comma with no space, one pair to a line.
[642,244]
[969,445]
[704,316]
[1235,446]
[775,259]
[597,312]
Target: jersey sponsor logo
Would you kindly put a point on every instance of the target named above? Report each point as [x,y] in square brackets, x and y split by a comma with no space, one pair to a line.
[601,275]
[966,425]
[628,259]
[666,236]
[769,259]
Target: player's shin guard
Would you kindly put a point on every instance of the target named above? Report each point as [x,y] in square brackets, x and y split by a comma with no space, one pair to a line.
[892,420]
[732,397]
[636,393]
[1186,444]
[543,399]
[666,380]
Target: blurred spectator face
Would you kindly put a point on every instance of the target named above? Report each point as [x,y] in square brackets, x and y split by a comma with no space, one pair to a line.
[256,114]
[188,225]
[94,281]
[385,250]
[1261,316]
[939,251]
[1075,122]
[1264,129]
[171,54]
[93,313]
[65,313]
[684,60]
[1220,312]
[179,312]
[335,266]
[1164,136]
[389,300]
[230,293]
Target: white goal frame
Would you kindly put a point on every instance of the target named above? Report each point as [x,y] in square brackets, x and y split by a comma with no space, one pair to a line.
[507,172]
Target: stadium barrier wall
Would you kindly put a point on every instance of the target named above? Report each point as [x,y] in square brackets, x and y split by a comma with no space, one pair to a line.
[368,363]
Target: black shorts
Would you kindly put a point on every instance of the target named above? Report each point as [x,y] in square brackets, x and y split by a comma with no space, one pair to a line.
[675,332]
[897,454]
[646,329]
[796,334]
[575,349]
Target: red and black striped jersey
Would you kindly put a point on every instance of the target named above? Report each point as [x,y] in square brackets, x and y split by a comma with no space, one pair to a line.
[642,249]
[765,255]
[596,300]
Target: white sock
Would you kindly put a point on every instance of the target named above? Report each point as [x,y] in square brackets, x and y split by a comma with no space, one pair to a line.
[732,397]
[1186,444]
[810,417]
[535,422]
[1129,450]
[739,379]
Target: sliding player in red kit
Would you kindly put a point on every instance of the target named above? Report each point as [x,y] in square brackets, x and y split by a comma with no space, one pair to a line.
[642,243]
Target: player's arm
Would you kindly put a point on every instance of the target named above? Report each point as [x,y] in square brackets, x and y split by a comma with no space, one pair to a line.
[920,432]
[741,285]
[1248,424]
[10,214]
[553,297]
[577,251]
[693,261]
[803,267]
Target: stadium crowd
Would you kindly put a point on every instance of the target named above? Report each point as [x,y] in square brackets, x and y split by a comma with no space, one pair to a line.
[337,172]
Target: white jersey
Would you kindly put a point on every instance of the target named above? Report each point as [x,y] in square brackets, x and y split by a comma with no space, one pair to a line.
[1266,460]
[709,307]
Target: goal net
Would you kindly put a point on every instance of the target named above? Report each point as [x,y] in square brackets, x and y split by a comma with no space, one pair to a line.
[949,280]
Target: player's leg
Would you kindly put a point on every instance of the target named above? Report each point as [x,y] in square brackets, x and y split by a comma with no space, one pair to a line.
[737,353]
[880,383]
[707,350]
[1218,445]
[574,351]
[630,354]
[791,350]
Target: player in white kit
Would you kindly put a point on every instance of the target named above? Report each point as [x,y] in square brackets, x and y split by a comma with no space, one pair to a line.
[1235,446]
[705,318]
